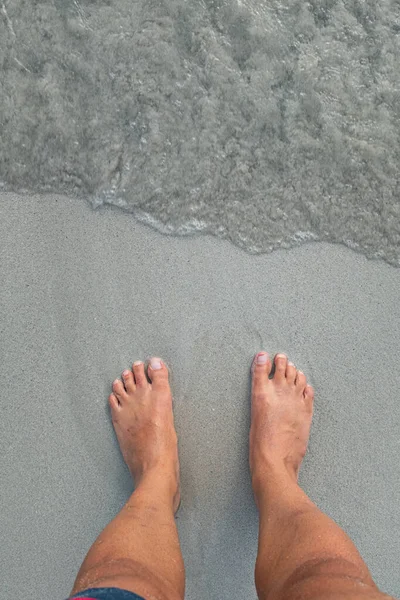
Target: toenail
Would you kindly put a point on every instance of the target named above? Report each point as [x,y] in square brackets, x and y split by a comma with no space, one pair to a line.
[155,363]
[262,358]
[281,356]
[116,381]
[137,363]
[291,364]
[125,373]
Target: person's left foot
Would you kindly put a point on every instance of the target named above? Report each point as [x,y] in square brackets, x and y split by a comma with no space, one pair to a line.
[143,421]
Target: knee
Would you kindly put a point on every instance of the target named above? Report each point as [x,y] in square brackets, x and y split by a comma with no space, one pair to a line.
[126,574]
[331,579]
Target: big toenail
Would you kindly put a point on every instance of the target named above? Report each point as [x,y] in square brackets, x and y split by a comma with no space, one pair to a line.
[155,364]
[262,358]
[125,373]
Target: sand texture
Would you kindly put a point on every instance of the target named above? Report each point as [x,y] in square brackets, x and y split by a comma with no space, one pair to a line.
[84,293]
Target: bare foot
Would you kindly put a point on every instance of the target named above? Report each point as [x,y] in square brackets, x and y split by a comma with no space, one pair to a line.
[281,415]
[144,423]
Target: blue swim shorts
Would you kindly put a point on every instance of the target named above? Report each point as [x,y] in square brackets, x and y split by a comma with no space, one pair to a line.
[106,594]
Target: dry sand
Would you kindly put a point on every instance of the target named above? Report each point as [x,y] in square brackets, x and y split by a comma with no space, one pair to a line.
[84,293]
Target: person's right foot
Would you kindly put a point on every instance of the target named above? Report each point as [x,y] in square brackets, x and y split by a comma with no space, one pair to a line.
[144,423]
[281,415]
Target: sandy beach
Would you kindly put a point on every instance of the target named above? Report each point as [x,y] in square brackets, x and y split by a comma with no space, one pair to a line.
[84,293]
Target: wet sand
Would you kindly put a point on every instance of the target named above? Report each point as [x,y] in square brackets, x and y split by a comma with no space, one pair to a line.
[84,293]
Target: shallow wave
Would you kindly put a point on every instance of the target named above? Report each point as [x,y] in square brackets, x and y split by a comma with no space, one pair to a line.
[265,123]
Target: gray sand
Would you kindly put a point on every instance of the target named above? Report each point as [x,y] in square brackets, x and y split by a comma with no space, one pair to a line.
[86,292]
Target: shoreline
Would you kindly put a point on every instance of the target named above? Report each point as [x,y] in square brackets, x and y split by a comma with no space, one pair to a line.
[86,292]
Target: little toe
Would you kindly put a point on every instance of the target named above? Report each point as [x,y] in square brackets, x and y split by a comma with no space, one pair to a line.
[127,377]
[158,373]
[140,375]
[112,399]
[119,391]
[301,381]
[309,396]
[280,367]
[290,373]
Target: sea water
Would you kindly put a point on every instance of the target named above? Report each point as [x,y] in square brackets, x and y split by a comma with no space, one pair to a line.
[265,122]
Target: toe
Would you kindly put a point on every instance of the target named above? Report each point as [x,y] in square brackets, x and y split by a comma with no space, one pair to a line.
[301,381]
[158,373]
[261,368]
[112,399]
[290,372]
[127,377]
[119,390]
[280,367]
[309,396]
[140,375]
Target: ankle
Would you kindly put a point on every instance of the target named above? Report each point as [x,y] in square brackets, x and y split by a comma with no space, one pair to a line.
[154,487]
[266,470]
[276,483]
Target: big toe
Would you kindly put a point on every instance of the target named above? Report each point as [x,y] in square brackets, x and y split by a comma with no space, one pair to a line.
[261,369]
[158,373]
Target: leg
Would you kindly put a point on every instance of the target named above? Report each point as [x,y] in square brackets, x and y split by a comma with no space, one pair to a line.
[302,553]
[139,550]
